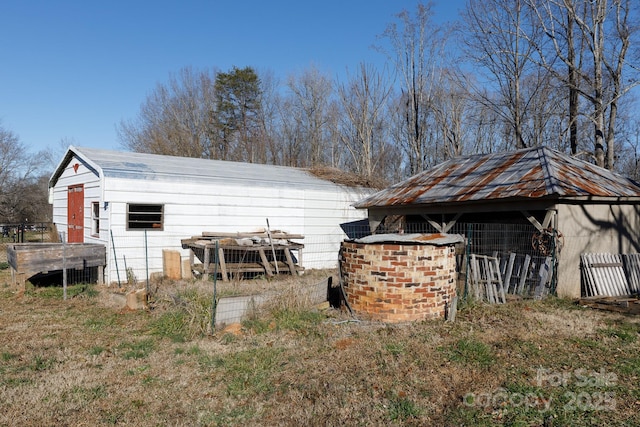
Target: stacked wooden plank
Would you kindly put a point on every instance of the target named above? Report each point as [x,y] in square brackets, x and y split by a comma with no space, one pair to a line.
[262,252]
[631,264]
[620,304]
[515,270]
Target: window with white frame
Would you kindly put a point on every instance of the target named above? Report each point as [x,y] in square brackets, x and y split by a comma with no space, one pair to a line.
[95,218]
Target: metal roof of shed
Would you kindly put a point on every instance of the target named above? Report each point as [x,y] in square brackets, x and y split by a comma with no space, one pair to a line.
[531,173]
[143,166]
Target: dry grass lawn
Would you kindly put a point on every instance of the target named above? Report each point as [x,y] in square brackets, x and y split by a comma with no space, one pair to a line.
[82,362]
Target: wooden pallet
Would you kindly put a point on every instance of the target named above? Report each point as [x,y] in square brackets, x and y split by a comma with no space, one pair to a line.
[486,280]
[493,278]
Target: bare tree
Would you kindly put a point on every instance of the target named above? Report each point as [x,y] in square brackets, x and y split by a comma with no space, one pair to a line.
[18,170]
[363,130]
[485,129]
[592,38]
[630,152]
[175,119]
[308,116]
[500,38]
[417,50]
[545,121]
[290,132]
[451,107]
[268,137]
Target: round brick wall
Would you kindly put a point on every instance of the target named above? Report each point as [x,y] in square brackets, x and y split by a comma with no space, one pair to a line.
[398,282]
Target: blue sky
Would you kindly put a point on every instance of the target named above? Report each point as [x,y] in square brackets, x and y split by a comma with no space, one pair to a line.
[72,70]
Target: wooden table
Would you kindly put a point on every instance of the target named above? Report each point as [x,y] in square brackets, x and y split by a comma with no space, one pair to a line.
[235,259]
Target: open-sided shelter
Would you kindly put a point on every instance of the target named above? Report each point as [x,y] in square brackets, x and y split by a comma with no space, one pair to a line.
[136,203]
[587,208]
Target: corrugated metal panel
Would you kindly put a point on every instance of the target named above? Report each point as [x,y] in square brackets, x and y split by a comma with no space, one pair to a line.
[604,275]
[117,164]
[529,173]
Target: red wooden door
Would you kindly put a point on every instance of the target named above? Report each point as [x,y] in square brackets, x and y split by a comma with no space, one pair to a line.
[75,214]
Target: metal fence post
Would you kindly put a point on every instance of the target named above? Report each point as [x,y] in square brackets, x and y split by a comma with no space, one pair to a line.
[467,256]
[146,259]
[554,263]
[115,258]
[214,304]
[64,266]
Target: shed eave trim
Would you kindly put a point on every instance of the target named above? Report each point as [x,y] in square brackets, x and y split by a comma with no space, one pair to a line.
[600,200]
[473,203]
[73,151]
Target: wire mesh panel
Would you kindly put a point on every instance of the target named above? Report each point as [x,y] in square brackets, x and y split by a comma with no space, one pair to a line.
[236,309]
[524,257]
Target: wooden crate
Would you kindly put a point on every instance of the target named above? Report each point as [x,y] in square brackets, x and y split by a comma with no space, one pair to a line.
[28,259]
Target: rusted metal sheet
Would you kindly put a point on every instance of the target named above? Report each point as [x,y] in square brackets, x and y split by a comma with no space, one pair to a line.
[523,174]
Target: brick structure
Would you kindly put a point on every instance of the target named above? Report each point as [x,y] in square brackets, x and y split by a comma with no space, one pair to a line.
[400,281]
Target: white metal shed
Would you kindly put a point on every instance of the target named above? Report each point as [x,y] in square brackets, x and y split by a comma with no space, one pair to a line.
[132,202]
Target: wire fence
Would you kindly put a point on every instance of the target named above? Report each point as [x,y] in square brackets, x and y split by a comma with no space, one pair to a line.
[25,232]
[134,256]
[495,261]
[236,309]
[515,259]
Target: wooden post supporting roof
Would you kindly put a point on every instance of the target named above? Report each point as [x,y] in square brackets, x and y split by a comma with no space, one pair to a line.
[445,226]
[548,218]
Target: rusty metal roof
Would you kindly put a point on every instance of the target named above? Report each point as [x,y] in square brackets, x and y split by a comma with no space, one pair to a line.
[531,173]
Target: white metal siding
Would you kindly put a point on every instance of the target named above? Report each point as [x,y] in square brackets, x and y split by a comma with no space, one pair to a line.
[325,211]
[200,198]
[191,208]
[91,181]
